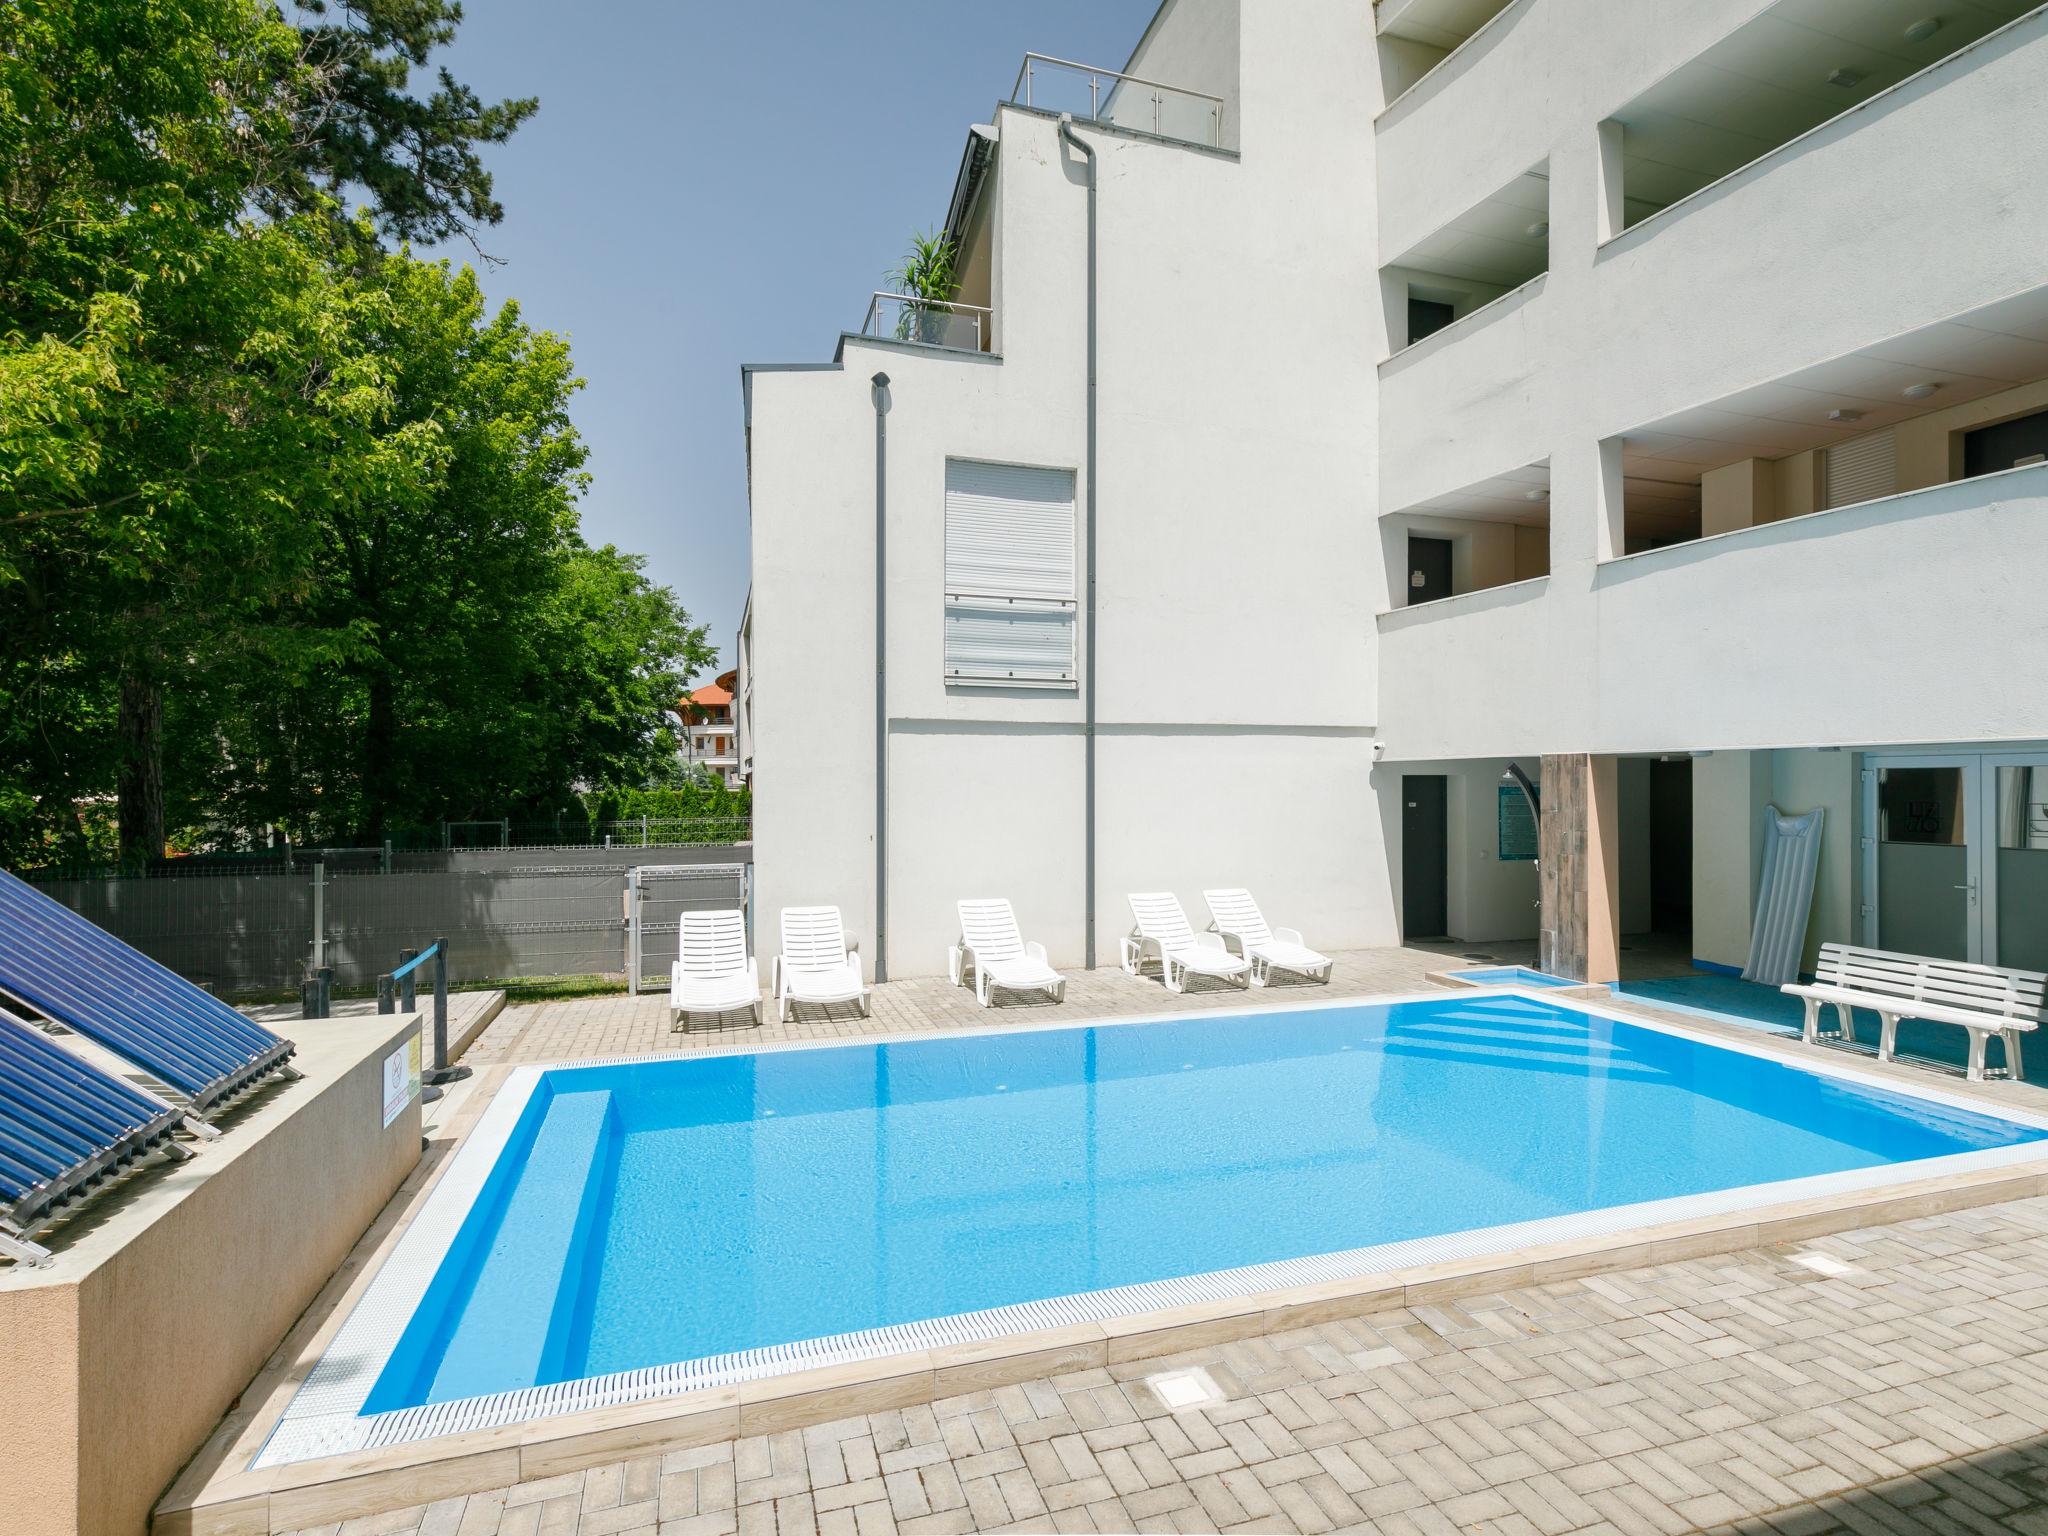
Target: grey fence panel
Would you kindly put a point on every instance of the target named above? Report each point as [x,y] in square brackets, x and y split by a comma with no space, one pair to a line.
[544,921]
[664,899]
[230,933]
[507,914]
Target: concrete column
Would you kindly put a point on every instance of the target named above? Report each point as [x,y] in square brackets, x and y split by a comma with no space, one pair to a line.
[1580,868]
[1738,495]
[1729,793]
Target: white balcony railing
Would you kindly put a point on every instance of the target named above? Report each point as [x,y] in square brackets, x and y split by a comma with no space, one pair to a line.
[928,322]
[1106,96]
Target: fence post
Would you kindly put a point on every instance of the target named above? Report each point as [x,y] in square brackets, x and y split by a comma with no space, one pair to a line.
[632,901]
[442,1072]
[643,831]
[387,855]
[319,914]
[505,833]
[407,991]
[385,1001]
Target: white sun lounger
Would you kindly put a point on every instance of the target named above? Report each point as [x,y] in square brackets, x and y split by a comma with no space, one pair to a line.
[713,972]
[1161,928]
[814,966]
[993,949]
[1238,919]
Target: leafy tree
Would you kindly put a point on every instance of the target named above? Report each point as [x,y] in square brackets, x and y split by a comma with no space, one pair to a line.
[459,651]
[359,130]
[155,436]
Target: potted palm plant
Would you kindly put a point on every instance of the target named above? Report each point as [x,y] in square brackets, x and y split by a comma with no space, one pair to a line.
[926,278]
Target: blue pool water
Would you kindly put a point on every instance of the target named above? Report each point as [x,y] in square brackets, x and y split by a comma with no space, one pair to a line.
[664,1211]
[1515,975]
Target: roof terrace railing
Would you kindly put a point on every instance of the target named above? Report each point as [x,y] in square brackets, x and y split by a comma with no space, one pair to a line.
[931,322]
[1107,96]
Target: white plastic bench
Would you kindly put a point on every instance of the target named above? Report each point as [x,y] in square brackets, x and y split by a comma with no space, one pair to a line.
[1986,1000]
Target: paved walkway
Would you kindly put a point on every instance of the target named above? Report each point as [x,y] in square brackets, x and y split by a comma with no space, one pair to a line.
[630,1026]
[1901,1387]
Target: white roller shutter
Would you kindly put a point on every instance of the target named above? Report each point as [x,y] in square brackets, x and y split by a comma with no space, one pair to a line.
[1863,469]
[1010,561]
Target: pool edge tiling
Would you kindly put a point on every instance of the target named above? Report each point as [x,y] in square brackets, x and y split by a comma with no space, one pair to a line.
[324,1419]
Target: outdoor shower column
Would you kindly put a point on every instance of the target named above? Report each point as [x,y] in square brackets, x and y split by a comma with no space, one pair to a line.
[1579,868]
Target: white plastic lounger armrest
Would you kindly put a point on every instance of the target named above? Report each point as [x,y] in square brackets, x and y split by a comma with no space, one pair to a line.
[1211,941]
[1036,951]
[775,976]
[1290,936]
[1232,940]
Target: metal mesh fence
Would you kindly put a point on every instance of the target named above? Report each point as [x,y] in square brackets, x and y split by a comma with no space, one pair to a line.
[656,898]
[506,914]
[230,934]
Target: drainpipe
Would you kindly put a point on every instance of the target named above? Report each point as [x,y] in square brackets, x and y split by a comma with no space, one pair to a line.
[1087,152]
[879,390]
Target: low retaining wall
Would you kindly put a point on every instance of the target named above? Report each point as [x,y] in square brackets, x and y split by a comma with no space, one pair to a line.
[168,1294]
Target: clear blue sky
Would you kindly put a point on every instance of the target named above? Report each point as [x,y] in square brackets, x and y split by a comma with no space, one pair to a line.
[710,184]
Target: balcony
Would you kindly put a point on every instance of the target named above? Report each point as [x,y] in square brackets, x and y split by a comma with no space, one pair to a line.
[1046,84]
[928,322]
[1774,81]
[1839,626]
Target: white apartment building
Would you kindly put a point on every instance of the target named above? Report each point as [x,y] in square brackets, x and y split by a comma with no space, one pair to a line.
[1342,403]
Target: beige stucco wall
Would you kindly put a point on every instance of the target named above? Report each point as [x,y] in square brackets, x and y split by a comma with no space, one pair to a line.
[169,1293]
[1804,781]
[1930,447]
[1730,791]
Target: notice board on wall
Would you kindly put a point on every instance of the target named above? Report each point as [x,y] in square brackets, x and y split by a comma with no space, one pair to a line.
[1517,825]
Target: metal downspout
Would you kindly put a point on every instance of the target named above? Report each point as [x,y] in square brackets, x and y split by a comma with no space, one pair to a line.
[879,391]
[1087,152]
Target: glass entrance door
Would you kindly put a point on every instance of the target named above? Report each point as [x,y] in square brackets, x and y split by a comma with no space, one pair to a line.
[2018,915]
[1956,848]
[1926,893]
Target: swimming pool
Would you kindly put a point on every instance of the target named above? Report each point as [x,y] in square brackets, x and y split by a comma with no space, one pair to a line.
[618,1230]
[1512,976]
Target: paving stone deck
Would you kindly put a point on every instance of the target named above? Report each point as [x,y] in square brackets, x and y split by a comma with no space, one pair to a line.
[1756,1391]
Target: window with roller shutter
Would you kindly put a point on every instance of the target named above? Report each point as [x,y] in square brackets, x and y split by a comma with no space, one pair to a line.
[1862,469]
[1010,575]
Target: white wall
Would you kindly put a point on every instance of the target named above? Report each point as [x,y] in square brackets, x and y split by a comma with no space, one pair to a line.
[1226,448]
[1193,44]
[1486,899]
